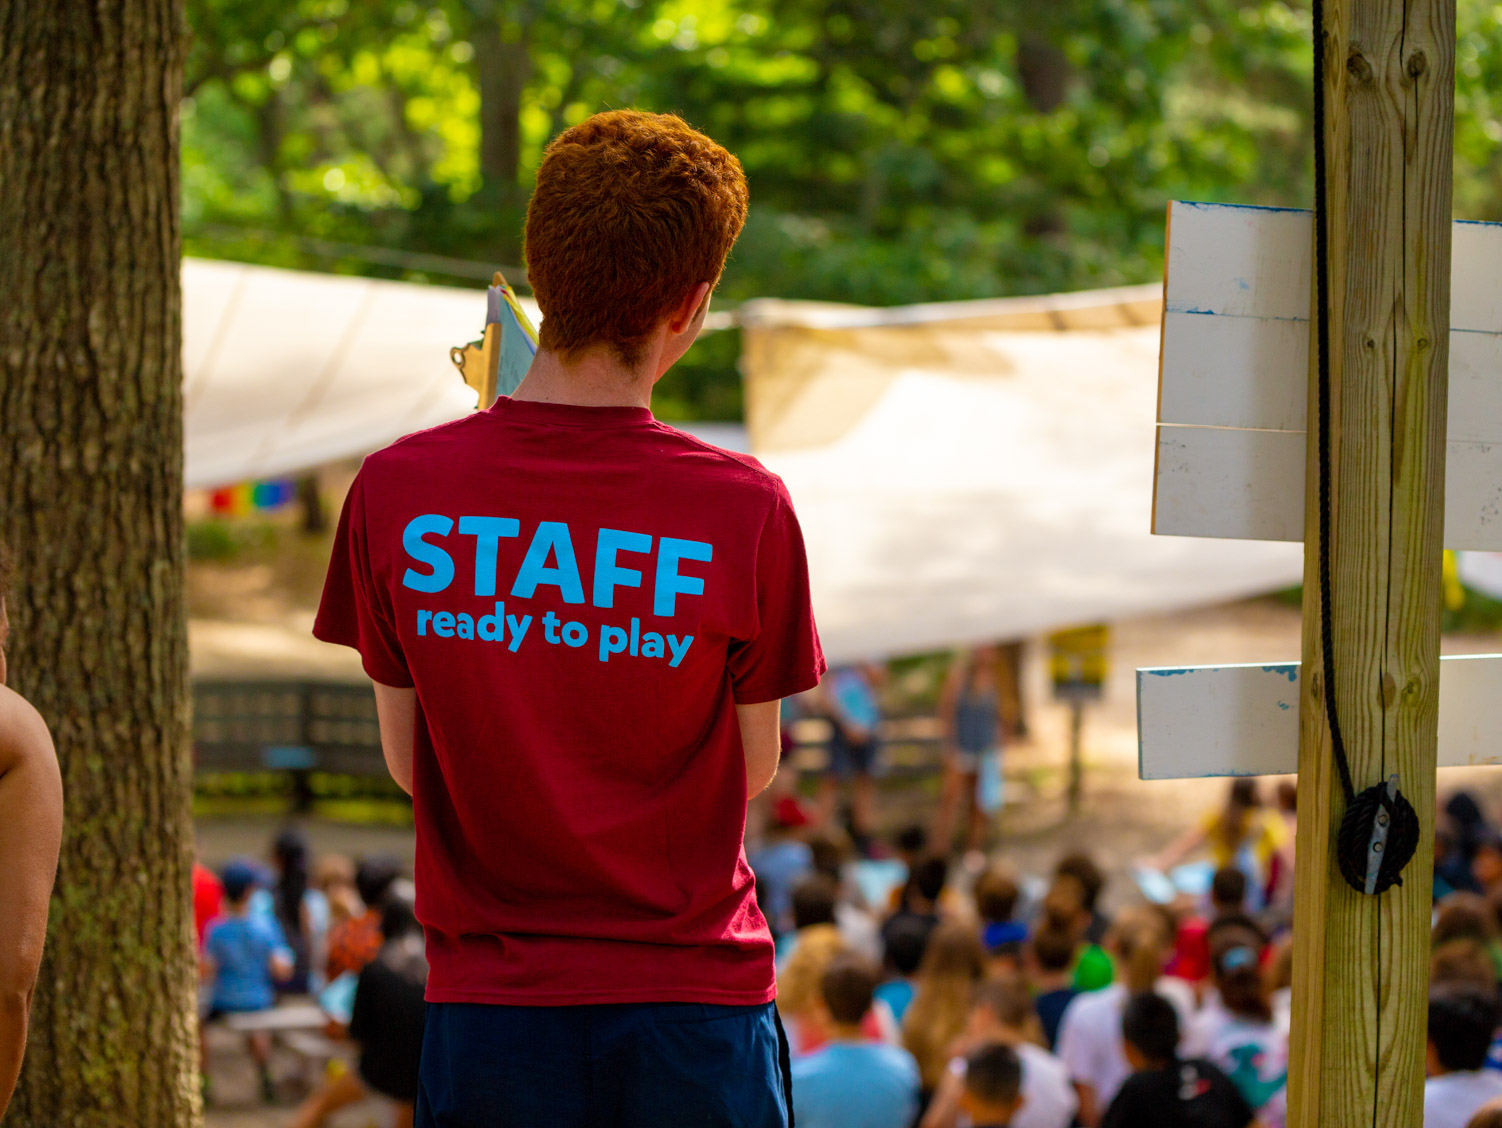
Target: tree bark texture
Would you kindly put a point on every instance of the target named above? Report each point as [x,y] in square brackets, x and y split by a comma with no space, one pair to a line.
[91,501]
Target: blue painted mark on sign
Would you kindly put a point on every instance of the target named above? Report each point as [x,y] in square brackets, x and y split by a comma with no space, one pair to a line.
[1206,206]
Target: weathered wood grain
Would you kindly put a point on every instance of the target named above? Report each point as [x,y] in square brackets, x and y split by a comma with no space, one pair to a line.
[1360,964]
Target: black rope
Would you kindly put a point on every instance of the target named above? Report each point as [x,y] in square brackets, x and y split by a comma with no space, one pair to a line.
[1322,322]
[1380,829]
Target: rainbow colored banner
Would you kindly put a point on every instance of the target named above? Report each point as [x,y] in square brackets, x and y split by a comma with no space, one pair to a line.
[245,498]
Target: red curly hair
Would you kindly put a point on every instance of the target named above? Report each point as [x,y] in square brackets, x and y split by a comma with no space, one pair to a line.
[632,210]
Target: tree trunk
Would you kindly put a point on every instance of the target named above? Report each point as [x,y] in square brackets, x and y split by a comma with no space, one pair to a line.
[1044,71]
[91,500]
[502,68]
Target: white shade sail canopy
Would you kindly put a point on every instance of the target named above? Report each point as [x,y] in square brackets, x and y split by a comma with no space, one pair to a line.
[979,470]
[963,472]
[284,370]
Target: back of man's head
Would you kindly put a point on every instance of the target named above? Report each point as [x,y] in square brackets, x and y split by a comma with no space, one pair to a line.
[1463,1019]
[1151,1026]
[398,917]
[373,877]
[993,1075]
[905,942]
[632,211]
[848,986]
[1007,998]
[912,840]
[1082,868]
[997,892]
[1053,948]
[1228,890]
[239,879]
[930,875]
[814,901]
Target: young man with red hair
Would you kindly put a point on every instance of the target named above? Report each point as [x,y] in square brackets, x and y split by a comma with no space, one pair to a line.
[580,623]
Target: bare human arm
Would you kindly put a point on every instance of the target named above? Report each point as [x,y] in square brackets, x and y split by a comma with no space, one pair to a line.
[944,1109]
[1090,1112]
[396,709]
[1179,849]
[949,698]
[31,828]
[761,737]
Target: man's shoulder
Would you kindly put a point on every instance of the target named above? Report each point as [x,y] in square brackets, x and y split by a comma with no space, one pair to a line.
[896,1061]
[730,466]
[22,730]
[1037,1058]
[425,445]
[844,1066]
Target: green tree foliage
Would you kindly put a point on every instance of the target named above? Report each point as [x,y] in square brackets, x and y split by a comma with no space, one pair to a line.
[897,152]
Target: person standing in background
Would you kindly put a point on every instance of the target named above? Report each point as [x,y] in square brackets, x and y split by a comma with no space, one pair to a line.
[31,830]
[850,702]
[970,710]
[302,912]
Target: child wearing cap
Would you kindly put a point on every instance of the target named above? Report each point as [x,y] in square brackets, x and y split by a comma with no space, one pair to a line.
[244,957]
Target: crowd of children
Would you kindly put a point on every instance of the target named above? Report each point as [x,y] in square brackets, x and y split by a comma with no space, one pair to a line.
[340,933]
[965,998]
[921,994]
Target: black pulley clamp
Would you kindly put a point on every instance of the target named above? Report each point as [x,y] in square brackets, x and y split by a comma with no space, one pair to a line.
[1377,838]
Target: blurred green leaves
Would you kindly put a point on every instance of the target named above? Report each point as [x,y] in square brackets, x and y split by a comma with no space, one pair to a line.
[896,152]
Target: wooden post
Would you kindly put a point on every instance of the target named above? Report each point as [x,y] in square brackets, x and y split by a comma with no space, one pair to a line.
[1076,740]
[1361,963]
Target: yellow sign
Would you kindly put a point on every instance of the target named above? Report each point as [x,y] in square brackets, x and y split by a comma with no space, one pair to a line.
[1077,661]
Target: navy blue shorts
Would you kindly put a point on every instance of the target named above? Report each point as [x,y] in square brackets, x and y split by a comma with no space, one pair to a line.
[619,1065]
[847,759]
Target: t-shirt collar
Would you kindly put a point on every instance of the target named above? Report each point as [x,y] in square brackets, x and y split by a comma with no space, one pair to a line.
[568,414]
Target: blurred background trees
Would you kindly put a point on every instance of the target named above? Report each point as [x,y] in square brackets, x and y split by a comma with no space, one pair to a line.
[896,152]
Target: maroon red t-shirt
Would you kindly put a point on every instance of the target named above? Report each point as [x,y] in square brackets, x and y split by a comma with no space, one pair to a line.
[581,597]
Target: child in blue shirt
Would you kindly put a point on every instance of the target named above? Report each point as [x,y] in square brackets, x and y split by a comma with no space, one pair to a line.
[245,956]
[853,1082]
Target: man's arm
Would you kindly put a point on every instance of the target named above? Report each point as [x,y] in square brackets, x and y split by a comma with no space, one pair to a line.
[397,711]
[761,737]
[31,828]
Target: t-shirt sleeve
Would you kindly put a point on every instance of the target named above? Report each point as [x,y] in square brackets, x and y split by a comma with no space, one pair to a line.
[273,938]
[1074,1048]
[783,657]
[355,610]
[213,943]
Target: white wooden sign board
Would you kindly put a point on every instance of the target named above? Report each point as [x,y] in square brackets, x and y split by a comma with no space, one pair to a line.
[1198,721]
[1233,386]
[1232,406]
